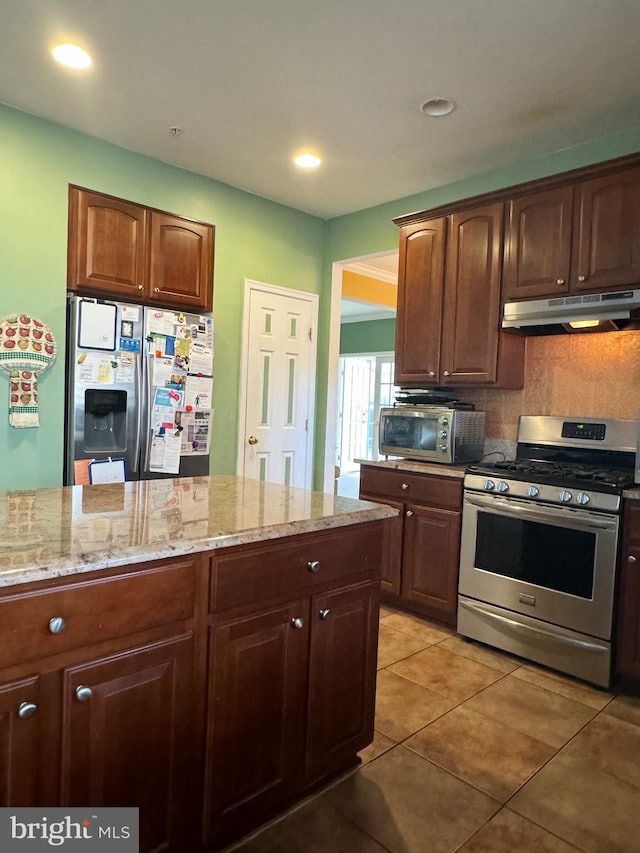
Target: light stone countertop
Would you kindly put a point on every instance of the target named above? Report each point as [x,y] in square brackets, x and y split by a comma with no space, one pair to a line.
[48,533]
[632,493]
[434,468]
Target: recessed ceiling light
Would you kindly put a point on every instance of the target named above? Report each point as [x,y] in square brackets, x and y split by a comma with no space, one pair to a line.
[71,55]
[307,161]
[438,107]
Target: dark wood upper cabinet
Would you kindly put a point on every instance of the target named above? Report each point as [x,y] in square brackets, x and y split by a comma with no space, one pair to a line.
[471,315]
[180,259]
[122,250]
[107,245]
[448,321]
[420,297]
[607,232]
[538,244]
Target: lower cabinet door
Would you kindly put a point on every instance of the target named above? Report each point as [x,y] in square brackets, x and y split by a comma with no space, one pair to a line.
[342,668]
[256,717]
[128,739]
[20,723]
[391,546]
[431,559]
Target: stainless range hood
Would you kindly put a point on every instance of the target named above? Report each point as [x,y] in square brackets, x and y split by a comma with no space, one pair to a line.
[589,312]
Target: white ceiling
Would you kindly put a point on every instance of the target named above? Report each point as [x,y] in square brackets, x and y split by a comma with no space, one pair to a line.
[252,81]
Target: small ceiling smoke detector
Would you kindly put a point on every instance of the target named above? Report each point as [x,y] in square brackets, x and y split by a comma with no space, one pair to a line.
[71,55]
[307,160]
[175,131]
[438,107]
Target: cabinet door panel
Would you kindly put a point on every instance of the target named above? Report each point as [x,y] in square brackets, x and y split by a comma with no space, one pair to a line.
[420,280]
[343,677]
[107,244]
[538,245]
[134,741]
[607,236]
[628,628]
[19,747]
[431,559]
[256,716]
[471,315]
[180,262]
[391,547]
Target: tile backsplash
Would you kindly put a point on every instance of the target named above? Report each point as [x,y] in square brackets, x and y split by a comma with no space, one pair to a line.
[583,375]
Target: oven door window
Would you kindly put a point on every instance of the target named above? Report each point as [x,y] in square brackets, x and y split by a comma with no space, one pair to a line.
[416,433]
[558,558]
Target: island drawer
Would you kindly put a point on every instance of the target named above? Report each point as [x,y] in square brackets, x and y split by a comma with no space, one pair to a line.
[45,622]
[445,492]
[288,568]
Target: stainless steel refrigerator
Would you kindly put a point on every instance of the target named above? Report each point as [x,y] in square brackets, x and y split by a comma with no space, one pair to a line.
[139,384]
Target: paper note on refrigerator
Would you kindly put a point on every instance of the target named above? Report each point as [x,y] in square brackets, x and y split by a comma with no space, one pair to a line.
[197,392]
[196,432]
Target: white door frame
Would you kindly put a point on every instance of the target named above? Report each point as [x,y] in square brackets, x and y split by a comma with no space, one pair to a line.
[333,357]
[313,299]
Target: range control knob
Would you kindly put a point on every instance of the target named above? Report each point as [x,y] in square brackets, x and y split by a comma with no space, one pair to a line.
[533,491]
[443,447]
[582,498]
[565,496]
[503,487]
[489,485]
[444,433]
[444,422]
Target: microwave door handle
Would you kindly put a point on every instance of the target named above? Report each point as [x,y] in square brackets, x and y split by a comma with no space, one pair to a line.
[573,518]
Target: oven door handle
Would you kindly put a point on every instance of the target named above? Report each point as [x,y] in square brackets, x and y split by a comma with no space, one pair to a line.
[574,518]
[518,626]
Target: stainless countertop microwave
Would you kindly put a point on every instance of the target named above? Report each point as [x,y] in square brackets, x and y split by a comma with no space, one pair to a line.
[431,433]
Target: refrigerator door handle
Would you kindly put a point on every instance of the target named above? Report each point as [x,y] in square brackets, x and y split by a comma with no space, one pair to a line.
[136,451]
[146,426]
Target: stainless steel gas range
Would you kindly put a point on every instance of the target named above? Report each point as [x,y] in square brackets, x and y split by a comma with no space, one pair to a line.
[540,540]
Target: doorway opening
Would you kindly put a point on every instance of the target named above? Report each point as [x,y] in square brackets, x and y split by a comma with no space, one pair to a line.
[365,383]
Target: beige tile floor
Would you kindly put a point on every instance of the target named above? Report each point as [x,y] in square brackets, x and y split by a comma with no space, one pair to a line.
[477,752]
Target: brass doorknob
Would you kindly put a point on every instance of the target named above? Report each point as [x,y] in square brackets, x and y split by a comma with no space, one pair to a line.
[253,439]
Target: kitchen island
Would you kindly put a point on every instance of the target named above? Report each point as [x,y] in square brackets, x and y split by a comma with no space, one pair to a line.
[203,648]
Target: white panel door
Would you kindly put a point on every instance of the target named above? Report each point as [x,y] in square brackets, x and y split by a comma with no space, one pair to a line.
[279,391]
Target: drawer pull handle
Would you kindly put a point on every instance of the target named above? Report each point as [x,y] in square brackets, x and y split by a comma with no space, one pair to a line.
[631,559]
[57,625]
[404,486]
[26,710]
[324,614]
[141,287]
[83,693]
[297,623]
[560,282]
[409,513]
[582,278]
[314,565]
[156,290]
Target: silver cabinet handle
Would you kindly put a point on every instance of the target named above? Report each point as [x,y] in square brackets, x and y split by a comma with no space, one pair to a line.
[560,281]
[314,565]
[432,373]
[297,623]
[631,559]
[57,625]
[156,290]
[404,487]
[446,373]
[141,287]
[83,693]
[26,710]
[409,513]
[582,278]
[324,614]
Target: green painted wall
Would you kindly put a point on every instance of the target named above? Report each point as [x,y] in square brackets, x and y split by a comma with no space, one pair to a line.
[366,232]
[368,336]
[255,238]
